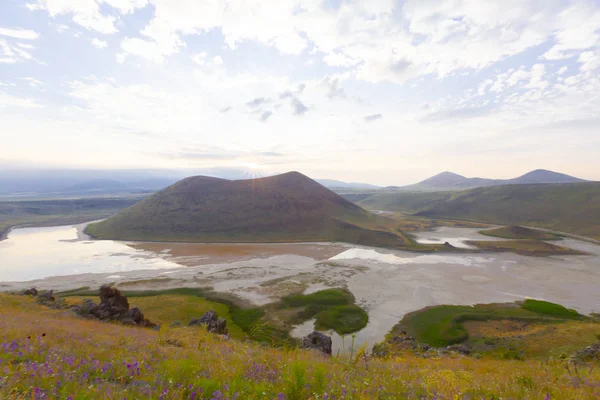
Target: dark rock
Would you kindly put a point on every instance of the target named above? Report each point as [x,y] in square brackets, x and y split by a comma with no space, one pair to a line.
[447,244]
[137,317]
[46,297]
[84,309]
[30,292]
[212,322]
[317,341]
[113,305]
[459,348]
[174,342]
[590,353]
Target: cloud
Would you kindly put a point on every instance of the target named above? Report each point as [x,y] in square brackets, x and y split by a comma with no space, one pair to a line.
[100,44]
[9,101]
[225,110]
[458,113]
[265,116]
[298,107]
[374,117]
[23,34]
[257,102]
[87,13]
[31,81]
[334,89]
[13,53]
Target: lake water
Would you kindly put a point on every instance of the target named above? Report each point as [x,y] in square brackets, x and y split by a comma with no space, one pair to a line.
[388,284]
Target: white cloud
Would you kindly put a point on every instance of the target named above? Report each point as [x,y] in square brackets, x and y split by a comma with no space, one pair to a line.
[203,60]
[576,30]
[84,12]
[13,53]
[33,82]
[101,44]
[589,60]
[23,34]
[9,101]
[562,70]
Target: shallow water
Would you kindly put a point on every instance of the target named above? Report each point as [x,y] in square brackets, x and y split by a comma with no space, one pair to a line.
[457,237]
[34,253]
[388,284]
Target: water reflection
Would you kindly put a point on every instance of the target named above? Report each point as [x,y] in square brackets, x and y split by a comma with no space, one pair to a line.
[34,253]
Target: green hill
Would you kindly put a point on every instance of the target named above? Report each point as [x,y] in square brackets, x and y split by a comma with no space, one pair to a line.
[282,208]
[567,207]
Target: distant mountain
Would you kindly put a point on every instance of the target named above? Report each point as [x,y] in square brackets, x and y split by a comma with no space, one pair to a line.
[567,207]
[96,185]
[32,183]
[451,181]
[281,208]
[332,183]
[544,176]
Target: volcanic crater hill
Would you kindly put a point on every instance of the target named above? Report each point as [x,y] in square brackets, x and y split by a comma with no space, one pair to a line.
[283,208]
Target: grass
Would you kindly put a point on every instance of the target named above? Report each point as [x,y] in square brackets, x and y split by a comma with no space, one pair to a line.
[176,309]
[328,297]
[444,325]
[249,320]
[528,247]
[332,309]
[567,207]
[52,354]
[519,232]
[547,308]
[342,319]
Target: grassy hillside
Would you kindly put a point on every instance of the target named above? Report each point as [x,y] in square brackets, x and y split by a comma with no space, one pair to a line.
[52,354]
[572,208]
[56,212]
[283,208]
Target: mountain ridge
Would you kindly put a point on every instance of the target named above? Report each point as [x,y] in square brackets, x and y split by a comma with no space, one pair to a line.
[451,181]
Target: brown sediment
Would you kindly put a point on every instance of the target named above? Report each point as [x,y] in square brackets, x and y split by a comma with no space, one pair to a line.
[219,253]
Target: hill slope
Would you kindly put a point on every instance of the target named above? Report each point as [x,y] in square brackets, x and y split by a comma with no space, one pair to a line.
[282,208]
[569,207]
[451,181]
[53,354]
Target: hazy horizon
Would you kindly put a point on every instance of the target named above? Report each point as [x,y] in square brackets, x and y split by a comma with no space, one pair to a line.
[382,92]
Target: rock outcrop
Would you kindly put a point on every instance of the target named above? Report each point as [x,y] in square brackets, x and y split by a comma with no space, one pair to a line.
[317,341]
[590,353]
[30,292]
[212,322]
[113,305]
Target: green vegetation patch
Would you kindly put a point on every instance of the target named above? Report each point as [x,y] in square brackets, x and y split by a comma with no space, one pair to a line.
[342,319]
[443,325]
[328,297]
[547,308]
[332,309]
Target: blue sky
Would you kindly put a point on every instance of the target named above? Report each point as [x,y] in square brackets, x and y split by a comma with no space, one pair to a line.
[383,91]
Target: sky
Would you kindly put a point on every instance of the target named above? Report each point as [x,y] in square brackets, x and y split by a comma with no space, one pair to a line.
[379,91]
